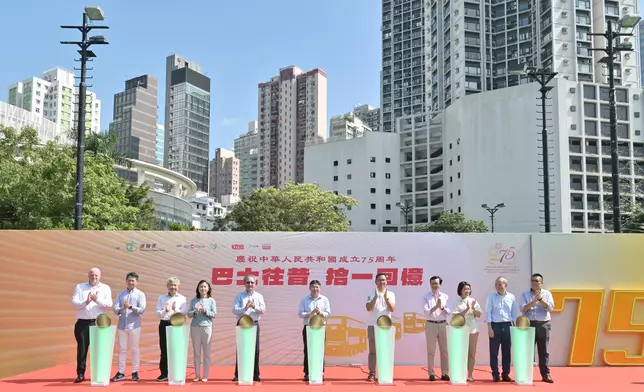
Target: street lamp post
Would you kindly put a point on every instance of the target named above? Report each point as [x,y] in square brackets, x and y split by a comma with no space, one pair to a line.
[543,77]
[611,49]
[492,211]
[406,208]
[90,14]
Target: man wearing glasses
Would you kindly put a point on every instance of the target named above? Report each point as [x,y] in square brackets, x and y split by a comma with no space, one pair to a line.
[536,305]
[249,302]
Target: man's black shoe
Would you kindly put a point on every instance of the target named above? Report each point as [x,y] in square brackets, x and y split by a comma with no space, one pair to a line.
[80,378]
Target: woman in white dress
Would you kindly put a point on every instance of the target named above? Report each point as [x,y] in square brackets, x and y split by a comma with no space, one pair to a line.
[467,307]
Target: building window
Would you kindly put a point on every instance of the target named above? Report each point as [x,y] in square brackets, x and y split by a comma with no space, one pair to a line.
[373,206]
[459,209]
[373,190]
[348,176]
[388,175]
[451,195]
[387,160]
[450,146]
[335,163]
[348,161]
[451,179]
[348,191]
[387,191]
[372,174]
[373,159]
[459,192]
[388,222]
[336,192]
[458,158]
[373,221]
[387,206]
[459,174]
[335,178]
[450,162]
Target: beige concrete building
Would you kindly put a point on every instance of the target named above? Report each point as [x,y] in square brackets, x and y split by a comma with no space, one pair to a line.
[292,110]
[224,174]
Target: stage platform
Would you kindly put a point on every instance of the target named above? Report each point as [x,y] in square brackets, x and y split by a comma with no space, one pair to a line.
[339,378]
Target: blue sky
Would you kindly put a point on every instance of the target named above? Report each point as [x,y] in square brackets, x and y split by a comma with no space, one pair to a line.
[237,43]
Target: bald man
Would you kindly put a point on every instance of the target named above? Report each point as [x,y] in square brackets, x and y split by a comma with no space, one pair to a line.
[90,299]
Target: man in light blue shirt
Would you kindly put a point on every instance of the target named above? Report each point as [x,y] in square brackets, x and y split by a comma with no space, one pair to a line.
[129,306]
[501,309]
[536,304]
[251,303]
[312,305]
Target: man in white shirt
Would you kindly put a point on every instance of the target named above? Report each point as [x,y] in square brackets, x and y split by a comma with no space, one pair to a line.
[129,306]
[436,311]
[250,302]
[380,302]
[312,305]
[90,299]
[167,305]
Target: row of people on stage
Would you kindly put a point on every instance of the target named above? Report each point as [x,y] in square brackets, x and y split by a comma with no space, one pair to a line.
[93,298]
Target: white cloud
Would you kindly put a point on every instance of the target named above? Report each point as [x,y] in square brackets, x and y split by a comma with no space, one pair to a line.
[228,121]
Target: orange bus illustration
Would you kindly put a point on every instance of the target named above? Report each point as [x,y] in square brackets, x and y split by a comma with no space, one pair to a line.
[396,324]
[413,322]
[345,337]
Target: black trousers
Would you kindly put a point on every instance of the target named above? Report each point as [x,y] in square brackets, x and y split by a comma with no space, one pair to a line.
[501,339]
[163,361]
[542,338]
[81,333]
[306,353]
[256,372]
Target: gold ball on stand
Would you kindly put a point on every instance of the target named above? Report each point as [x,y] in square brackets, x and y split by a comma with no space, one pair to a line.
[245,322]
[177,319]
[457,321]
[316,322]
[522,322]
[384,322]
[103,320]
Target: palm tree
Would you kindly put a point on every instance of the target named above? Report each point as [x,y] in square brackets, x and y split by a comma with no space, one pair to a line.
[105,144]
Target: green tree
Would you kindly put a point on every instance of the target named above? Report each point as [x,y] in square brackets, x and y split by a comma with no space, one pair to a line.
[296,207]
[38,182]
[631,203]
[179,227]
[453,222]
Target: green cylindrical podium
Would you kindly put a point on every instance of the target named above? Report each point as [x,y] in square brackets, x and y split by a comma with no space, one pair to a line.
[385,346]
[101,350]
[315,347]
[458,345]
[246,340]
[177,345]
[523,354]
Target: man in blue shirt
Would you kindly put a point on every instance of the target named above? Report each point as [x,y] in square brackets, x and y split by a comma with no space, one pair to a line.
[501,309]
[129,306]
[536,304]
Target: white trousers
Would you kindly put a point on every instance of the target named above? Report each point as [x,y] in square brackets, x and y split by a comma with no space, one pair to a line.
[129,337]
[201,338]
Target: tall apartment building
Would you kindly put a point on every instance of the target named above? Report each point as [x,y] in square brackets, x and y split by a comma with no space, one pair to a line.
[369,115]
[469,47]
[159,143]
[292,110]
[54,97]
[364,167]
[135,118]
[403,62]
[247,151]
[641,31]
[187,120]
[224,174]
[347,126]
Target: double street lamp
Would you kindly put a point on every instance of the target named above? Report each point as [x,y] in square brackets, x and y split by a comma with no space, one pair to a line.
[611,49]
[492,211]
[90,14]
[543,77]
[406,207]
